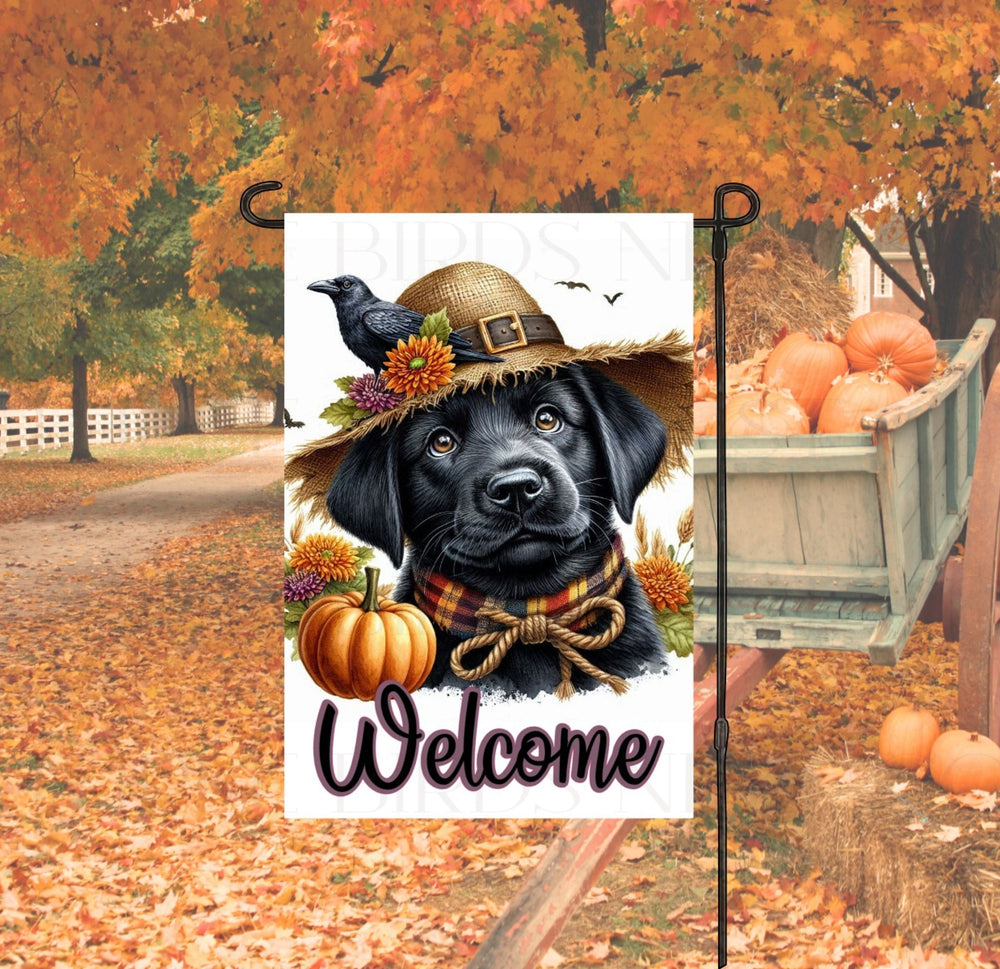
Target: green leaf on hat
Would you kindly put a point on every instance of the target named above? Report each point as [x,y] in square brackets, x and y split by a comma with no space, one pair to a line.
[677,629]
[437,325]
[343,412]
[345,383]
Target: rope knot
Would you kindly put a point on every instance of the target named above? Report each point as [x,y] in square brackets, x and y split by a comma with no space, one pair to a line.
[557,630]
[533,629]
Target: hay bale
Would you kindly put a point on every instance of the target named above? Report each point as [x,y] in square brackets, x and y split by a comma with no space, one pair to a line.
[913,858]
[772,282]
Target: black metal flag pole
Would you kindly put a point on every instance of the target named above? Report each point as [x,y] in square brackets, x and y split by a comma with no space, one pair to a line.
[718,224]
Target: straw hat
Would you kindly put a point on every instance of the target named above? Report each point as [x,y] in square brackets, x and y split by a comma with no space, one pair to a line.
[492,309]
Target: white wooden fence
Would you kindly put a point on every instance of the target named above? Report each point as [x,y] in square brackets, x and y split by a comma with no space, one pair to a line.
[21,430]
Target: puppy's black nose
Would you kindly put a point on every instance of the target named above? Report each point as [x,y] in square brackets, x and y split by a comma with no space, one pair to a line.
[514,490]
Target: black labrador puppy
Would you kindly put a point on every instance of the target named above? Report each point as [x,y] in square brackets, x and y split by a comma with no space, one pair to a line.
[511,491]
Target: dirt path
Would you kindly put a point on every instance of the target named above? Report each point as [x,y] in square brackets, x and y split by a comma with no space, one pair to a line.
[81,549]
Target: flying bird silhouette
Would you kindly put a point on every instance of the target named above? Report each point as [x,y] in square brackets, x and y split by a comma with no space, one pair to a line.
[289,422]
[371,326]
[611,299]
[571,284]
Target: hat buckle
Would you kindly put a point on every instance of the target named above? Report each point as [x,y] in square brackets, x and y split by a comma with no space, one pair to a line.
[514,324]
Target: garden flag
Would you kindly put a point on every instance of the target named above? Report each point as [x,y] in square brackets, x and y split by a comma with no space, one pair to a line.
[489,529]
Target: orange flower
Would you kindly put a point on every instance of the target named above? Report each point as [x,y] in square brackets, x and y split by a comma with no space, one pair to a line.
[666,584]
[329,556]
[418,366]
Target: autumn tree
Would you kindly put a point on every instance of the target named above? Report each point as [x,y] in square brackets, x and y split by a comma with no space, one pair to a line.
[826,111]
[147,268]
[256,294]
[510,105]
[92,130]
[57,317]
[36,317]
[851,114]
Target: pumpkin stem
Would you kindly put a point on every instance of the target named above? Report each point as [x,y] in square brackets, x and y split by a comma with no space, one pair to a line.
[370,601]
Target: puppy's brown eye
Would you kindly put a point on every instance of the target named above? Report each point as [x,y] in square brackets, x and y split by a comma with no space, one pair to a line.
[441,442]
[547,419]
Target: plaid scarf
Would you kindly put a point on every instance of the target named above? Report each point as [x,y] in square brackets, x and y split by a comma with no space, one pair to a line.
[453,606]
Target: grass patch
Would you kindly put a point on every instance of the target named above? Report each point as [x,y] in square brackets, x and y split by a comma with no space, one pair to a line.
[38,481]
[210,446]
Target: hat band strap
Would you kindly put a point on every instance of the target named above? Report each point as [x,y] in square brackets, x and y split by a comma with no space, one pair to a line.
[505,331]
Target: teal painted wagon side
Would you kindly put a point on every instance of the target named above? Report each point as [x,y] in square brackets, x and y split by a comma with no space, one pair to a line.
[835,540]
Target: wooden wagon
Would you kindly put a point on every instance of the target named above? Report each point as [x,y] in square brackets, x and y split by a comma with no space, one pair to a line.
[837,541]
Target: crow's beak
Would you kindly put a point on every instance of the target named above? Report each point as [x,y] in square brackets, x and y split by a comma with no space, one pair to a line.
[327,286]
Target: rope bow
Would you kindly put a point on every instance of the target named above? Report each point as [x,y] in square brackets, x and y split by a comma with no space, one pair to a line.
[539,628]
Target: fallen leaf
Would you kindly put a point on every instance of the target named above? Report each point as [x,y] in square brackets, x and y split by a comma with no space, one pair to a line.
[829,774]
[599,950]
[977,800]
[632,851]
[948,833]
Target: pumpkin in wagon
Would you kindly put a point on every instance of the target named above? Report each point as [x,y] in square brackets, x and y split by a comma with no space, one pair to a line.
[854,396]
[894,343]
[352,643]
[765,411]
[806,367]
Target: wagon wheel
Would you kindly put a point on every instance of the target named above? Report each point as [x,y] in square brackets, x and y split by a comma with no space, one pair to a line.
[979,629]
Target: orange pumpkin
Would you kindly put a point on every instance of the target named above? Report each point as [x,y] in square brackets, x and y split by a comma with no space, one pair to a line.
[906,737]
[854,396]
[766,411]
[894,343]
[806,367]
[353,642]
[962,761]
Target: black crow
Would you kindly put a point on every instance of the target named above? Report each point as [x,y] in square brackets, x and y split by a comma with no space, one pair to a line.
[371,326]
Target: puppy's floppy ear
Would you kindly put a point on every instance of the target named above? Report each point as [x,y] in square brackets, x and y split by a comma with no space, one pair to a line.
[363,497]
[631,436]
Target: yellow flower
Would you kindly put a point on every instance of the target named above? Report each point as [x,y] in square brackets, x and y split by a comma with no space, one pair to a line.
[418,366]
[666,584]
[329,556]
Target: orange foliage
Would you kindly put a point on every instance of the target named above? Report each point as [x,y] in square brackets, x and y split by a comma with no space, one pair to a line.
[490,104]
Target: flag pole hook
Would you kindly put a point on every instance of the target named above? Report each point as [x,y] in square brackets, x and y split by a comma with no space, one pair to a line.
[247,212]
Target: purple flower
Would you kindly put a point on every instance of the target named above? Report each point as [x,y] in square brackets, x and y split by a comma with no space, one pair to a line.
[371,394]
[300,586]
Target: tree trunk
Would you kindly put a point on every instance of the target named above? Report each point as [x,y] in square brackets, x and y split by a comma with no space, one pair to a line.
[279,405]
[81,436]
[187,422]
[963,253]
[591,14]
[825,241]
